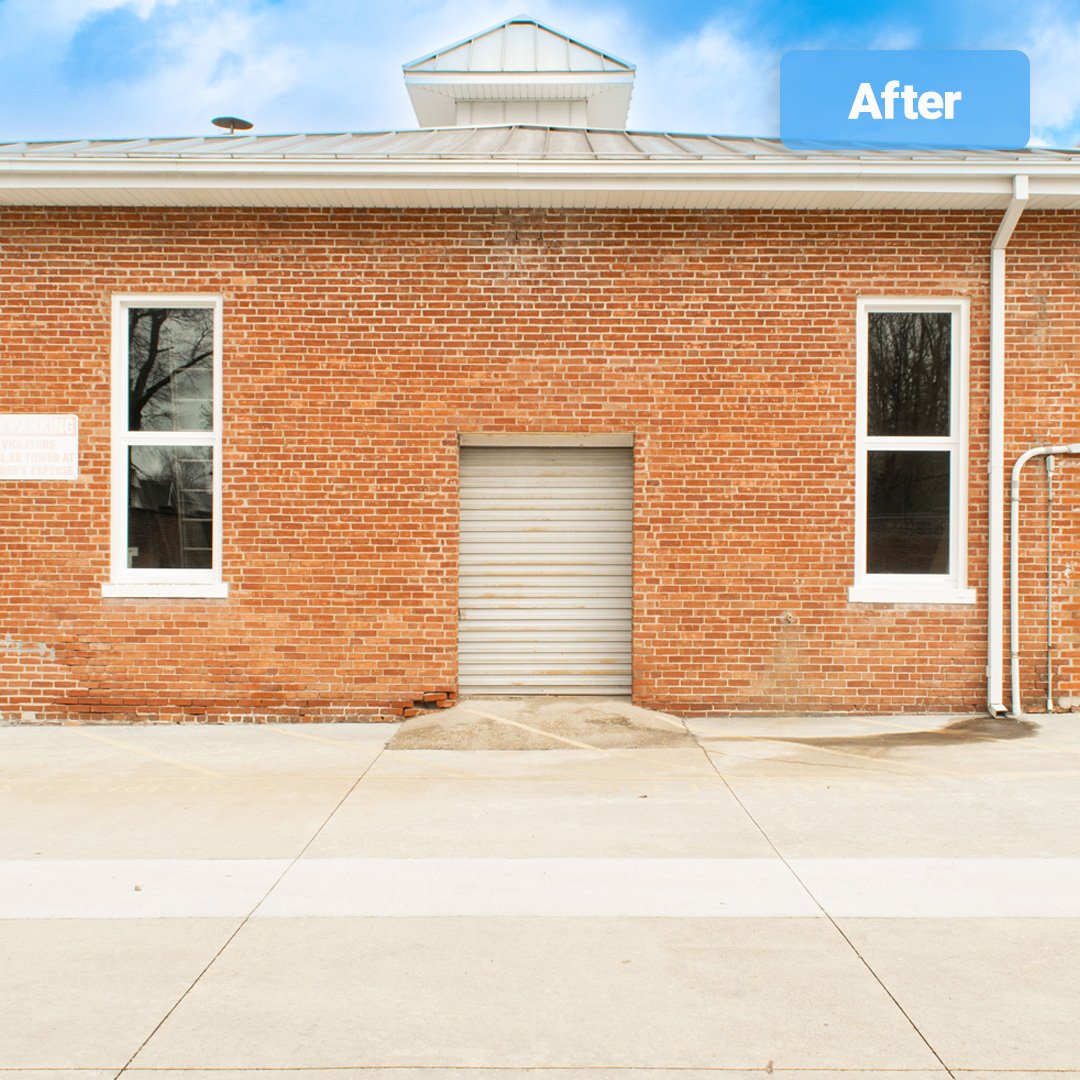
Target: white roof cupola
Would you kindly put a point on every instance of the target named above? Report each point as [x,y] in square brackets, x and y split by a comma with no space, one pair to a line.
[520,72]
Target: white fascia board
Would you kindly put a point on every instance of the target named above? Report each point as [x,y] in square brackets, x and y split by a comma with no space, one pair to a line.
[1046,177]
[461,84]
[284,173]
[187,181]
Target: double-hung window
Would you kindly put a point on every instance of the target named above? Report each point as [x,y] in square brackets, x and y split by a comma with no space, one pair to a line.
[166,447]
[911,452]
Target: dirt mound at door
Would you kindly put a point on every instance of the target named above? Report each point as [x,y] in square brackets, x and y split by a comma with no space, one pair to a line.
[541,723]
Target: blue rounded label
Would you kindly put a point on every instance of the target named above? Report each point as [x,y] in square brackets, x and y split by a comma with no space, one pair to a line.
[905,99]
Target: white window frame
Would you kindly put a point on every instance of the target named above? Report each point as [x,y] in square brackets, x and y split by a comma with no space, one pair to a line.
[128,581]
[951,587]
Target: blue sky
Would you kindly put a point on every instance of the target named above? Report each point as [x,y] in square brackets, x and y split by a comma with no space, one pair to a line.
[128,68]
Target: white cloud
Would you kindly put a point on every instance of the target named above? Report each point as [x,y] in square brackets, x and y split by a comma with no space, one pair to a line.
[220,62]
[895,38]
[63,16]
[713,81]
[1053,47]
[326,65]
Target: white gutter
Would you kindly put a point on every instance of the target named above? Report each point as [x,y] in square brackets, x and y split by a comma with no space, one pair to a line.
[382,183]
[1014,563]
[245,172]
[937,176]
[996,581]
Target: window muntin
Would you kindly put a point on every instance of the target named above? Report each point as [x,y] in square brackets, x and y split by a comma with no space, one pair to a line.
[911,450]
[166,475]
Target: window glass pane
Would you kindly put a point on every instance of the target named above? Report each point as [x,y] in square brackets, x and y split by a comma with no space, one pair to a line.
[907,520]
[170,369]
[910,357]
[170,507]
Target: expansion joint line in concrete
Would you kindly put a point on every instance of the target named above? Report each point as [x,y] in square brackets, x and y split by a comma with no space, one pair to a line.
[836,926]
[244,921]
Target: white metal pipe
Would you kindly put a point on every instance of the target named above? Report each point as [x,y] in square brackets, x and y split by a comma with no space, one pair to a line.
[1049,459]
[995,646]
[1014,563]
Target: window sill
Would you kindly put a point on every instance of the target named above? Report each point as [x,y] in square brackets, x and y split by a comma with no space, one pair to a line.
[914,594]
[213,591]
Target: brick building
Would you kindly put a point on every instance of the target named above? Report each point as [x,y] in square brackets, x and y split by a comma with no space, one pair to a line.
[525,402]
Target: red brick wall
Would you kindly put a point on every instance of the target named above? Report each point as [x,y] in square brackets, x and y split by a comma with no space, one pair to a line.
[358,343]
[1043,386]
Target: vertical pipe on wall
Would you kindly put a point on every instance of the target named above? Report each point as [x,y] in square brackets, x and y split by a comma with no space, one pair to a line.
[995,653]
[1014,564]
[1049,583]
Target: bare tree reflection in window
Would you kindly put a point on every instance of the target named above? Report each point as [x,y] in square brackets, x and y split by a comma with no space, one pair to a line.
[907,504]
[170,369]
[170,507]
[910,362]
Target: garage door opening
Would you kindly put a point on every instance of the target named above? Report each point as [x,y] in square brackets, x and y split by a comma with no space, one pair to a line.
[545,570]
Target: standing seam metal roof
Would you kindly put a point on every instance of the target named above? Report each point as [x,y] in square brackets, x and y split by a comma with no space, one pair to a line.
[518,141]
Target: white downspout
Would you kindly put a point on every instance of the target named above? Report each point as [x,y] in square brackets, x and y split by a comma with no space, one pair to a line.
[1014,562]
[995,650]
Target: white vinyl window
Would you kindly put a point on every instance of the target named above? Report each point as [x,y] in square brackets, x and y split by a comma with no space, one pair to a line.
[166,447]
[911,452]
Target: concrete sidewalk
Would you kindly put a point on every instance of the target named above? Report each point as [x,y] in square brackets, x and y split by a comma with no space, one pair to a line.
[881,895]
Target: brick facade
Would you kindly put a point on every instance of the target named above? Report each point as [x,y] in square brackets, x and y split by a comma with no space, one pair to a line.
[358,343]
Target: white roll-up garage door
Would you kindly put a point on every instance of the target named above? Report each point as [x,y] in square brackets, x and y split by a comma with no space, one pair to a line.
[545,570]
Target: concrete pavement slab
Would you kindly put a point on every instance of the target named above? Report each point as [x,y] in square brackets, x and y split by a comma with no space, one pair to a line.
[541,887]
[867,747]
[176,791]
[652,888]
[943,888]
[134,888]
[820,814]
[85,994]
[745,758]
[988,994]
[545,765]
[190,749]
[516,993]
[878,827]
[1046,1074]
[775,760]
[139,818]
[493,817]
[57,1074]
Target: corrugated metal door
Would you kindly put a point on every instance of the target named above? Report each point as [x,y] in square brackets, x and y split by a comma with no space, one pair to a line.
[545,570]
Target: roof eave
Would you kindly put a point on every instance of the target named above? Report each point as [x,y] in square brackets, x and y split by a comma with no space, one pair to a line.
[832,185]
